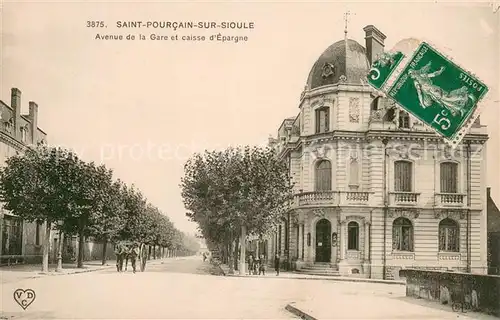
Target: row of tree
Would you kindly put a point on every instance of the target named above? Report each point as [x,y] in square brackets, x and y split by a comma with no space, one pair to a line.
[235,193]
[75,197]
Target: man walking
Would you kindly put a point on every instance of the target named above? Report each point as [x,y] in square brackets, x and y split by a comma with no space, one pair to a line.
[119,251]
[133,254]
[277,264]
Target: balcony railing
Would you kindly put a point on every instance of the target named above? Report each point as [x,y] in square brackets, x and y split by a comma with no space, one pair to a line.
[332,198]
[450,199]
[354,197]
[316,197]
[404,198]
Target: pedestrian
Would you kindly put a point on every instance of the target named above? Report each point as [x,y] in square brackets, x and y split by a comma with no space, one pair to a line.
[126,251]
[256,265]
[250,264]
[133,254]
[262,268]
[119,256]
[277,264]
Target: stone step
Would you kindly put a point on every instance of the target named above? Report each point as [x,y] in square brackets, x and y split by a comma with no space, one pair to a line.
[332,273]
[319,268]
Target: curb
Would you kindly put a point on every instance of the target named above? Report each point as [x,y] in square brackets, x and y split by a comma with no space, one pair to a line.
[391,282]
[299,313]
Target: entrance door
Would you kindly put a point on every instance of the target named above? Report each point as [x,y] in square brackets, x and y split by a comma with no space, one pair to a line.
[323,241]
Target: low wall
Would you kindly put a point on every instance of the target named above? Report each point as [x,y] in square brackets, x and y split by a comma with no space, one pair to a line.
[482,292]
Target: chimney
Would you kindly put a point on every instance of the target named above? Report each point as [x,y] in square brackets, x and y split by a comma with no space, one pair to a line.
[15,104]
[34,121]
[374,39]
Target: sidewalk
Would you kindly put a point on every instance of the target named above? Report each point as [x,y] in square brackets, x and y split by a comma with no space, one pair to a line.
[20,272]
[270,273]
[371,307]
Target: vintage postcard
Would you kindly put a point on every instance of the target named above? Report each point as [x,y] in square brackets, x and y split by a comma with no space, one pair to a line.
[249,160]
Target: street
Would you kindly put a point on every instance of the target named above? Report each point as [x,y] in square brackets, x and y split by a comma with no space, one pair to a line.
[188,288]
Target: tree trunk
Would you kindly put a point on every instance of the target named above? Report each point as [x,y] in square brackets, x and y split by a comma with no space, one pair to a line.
[104,249]
[236,253]
[243,238]
[59,251]
[230,257]
[46,247]
[81,244]
[149,252]
[154,252]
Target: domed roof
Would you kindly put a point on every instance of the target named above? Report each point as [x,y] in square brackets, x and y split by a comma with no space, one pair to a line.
[407,46]
[339,59]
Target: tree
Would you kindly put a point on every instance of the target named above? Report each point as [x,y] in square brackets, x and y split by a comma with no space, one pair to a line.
[236,192]
[32,186]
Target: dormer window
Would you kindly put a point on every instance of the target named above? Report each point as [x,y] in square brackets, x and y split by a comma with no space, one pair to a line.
[374,104]
[322,119]
[404,120]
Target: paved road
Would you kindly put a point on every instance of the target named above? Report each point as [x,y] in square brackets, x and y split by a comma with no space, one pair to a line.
[187,289]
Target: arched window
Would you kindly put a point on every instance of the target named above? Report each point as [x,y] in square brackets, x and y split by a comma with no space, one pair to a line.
[448,172]
[353,236]
[448,235]
[322,119]
[403,172]
[353,172]
[402,235]
[323,176]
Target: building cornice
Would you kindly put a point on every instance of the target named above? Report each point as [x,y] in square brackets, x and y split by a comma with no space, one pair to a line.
[8,139]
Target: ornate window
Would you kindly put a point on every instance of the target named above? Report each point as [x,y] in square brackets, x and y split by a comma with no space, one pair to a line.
[353,236]
[374,104]
[402,235]
[449,235]
[323,176]
[403,171]
[448,174]
[322,119]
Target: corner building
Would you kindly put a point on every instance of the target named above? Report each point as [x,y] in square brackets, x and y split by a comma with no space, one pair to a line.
[20,241]
[375,190]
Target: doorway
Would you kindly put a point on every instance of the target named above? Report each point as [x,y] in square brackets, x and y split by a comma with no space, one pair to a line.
[323,241]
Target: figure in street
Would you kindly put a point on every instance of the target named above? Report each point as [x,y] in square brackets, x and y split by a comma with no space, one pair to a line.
[133,254]
[250,264]
[119,249]
[277,264]
[262,268]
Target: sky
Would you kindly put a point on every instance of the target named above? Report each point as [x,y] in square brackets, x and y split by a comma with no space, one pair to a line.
[144,107]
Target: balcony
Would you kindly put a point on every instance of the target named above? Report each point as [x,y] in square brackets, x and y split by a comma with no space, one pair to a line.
[450,199]
[354,198]
[316,198]
[332,198]
[404,198]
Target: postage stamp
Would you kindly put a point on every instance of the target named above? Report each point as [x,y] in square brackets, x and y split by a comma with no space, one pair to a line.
[432,88]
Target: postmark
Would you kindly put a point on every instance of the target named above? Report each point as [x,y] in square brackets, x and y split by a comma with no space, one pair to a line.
[24,297]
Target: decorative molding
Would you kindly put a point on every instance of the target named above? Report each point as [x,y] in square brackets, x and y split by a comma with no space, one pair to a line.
[449,255]
[356,218]
[354,110]
[327,70]
[320,152]
[411,213]
[294,220]
[319,213]
[454,214]
[343,79]
[403,255]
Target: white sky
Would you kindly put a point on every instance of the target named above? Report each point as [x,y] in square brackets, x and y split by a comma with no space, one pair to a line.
[102,96]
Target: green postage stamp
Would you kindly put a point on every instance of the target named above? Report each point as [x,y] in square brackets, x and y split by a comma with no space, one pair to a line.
[432,88]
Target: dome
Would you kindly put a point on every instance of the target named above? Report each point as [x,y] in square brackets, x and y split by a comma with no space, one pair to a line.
[406,46]
[339,59]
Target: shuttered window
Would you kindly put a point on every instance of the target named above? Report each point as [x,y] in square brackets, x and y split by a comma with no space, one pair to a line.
[403,176]
[323,176]
[322,120]
[449,177]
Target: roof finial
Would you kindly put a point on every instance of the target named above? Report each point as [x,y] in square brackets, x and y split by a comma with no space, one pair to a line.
[346,19]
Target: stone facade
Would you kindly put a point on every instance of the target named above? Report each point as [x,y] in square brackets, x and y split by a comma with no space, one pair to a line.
[376,190]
